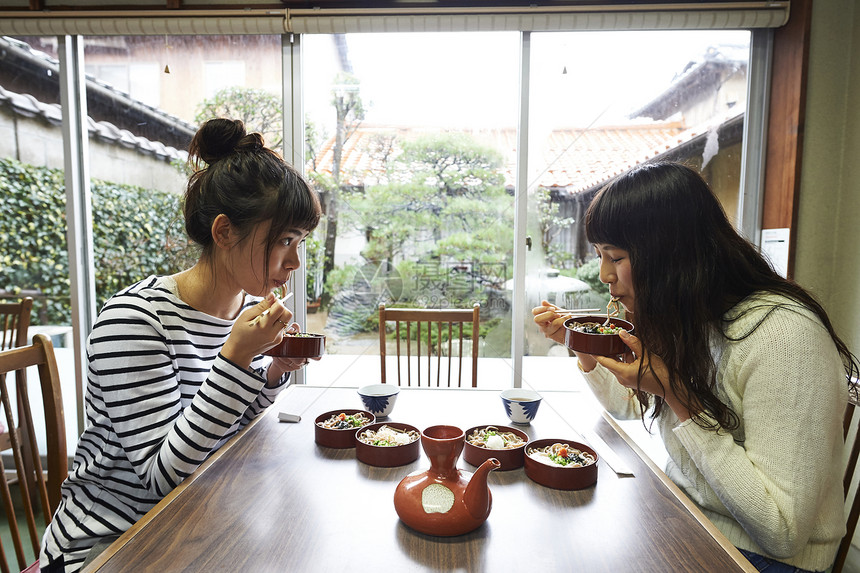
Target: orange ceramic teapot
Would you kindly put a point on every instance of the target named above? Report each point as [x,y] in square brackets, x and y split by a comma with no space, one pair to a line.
[445,500]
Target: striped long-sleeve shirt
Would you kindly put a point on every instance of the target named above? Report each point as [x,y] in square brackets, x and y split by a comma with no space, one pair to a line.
[160,399]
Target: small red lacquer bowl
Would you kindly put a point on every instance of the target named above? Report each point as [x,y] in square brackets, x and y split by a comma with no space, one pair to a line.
[388,456]
[300,345]
[560,477]
[339,438]
[599,344]
[511,458]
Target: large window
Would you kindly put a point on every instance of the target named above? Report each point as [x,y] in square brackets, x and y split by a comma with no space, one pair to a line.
[31,176]
[33,255]
[145,96]
[601,102]
[415,155]
[137,151]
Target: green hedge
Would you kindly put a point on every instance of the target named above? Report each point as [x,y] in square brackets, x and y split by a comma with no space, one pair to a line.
[136,232]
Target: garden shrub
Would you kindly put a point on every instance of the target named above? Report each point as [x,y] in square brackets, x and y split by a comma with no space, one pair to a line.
[136,232]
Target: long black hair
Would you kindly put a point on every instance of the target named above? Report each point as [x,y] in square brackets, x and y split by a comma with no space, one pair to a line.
[689,268]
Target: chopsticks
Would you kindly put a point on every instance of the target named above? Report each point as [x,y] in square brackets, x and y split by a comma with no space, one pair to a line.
[265,312]
[576,310]
[606,453]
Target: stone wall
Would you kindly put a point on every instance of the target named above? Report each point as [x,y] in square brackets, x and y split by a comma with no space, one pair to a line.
[39,141]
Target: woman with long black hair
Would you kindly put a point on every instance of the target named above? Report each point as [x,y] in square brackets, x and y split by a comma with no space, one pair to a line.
[739,367]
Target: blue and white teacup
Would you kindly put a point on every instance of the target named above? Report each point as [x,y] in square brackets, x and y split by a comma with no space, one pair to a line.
[379,398]
[521,405]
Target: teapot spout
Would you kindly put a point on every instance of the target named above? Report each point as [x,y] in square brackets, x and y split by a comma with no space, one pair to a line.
[477,495]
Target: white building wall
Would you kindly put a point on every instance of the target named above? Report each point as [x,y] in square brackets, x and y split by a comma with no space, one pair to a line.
[38,142]
[110,162]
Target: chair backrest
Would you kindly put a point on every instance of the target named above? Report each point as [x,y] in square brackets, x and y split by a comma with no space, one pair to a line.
[852,445]
[447,325]
[39,491]
[14,322]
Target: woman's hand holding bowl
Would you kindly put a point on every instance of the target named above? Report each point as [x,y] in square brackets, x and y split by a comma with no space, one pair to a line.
[288,364]
[255,332]
[655,378]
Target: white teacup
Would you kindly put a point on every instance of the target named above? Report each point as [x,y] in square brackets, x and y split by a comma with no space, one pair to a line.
[521,405]
[379,398]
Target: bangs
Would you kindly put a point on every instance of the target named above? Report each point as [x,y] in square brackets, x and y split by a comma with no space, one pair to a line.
[604,222]
[300,210]
[296,206]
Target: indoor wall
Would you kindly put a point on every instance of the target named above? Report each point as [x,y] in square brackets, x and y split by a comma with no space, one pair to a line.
[828,257]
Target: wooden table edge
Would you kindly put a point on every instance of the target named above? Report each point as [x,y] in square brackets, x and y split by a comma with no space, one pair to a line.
[712,530]
[106,555]
[694,510]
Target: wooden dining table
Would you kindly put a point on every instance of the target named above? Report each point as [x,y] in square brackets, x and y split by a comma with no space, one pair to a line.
[272,500]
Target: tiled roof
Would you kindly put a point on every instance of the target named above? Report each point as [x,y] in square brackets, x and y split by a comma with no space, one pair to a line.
[572,159]
[28,106]
[132,109]
[575,160]
[618,165]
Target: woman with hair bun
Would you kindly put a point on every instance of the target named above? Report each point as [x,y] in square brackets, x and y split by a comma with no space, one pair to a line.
[740,368]
[174,362]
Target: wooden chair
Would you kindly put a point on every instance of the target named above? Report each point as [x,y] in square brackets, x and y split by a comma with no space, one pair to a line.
[448,327]
[14,326]
[14,322]
[47,486]
[852,445]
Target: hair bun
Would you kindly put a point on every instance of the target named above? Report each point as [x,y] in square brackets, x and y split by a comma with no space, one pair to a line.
[251,142]
[218,138]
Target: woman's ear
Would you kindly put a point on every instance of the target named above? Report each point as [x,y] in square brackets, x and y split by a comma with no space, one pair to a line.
[222,231]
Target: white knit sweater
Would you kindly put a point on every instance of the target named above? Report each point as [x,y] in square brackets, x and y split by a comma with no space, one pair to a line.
[160,400]
[773,486]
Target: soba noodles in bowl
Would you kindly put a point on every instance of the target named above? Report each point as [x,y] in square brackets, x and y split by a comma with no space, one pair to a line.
[596,334]
[504,443]
[336,429]
[387,444]
[561,464]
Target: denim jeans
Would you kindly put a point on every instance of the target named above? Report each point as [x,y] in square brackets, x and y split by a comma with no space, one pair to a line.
[763,563]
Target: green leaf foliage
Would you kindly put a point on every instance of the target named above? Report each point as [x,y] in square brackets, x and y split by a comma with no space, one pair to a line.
[440,215]
[445,197]
[136,232]
[551,225]
[259,109]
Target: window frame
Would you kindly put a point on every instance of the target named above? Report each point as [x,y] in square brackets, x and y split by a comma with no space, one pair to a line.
[781,118]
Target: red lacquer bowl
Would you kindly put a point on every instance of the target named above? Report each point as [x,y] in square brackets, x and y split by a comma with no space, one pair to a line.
[336,438]
[301,345]
[559,477]
[388,456]
[599,344]
[510,459]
